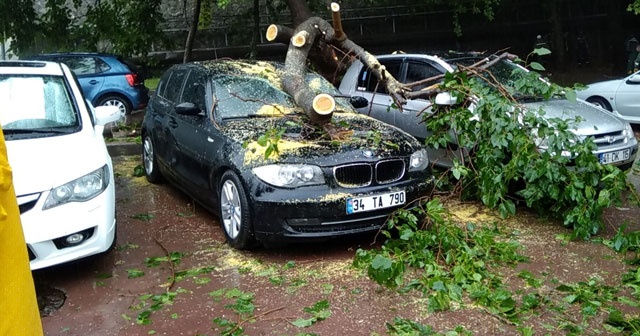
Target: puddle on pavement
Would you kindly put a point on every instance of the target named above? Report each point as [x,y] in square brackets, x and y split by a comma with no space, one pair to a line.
[49,299]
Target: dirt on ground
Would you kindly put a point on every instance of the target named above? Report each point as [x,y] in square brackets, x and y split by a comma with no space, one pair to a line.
[171,273]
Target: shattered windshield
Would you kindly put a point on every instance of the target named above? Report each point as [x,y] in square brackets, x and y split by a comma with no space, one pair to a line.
[36,104]
[245,96]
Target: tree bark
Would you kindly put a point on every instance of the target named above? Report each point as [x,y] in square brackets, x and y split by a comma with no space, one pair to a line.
[313,33]
[255,36]
[193,29]
[293,80]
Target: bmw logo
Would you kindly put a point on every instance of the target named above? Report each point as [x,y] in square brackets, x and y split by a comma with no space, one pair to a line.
[367,153]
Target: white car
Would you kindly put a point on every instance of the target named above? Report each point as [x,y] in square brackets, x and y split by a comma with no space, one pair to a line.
[62,172]
[620,96]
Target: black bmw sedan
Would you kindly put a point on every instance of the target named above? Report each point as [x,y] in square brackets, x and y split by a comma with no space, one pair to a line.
[225,133]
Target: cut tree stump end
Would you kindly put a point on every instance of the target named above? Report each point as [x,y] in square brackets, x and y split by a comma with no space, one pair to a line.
[324,104]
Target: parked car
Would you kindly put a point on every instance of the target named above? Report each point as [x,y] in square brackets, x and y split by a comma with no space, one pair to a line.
[201,132]
[62,173]
[613,136]
[620,96]
[105,79]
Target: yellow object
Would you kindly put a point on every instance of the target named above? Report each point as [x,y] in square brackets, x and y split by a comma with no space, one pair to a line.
[19,313]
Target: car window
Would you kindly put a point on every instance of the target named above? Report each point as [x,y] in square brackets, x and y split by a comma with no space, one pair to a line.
[194,90]
[35,102]
[367,81]
[82,66]
[417,71]
[173,86]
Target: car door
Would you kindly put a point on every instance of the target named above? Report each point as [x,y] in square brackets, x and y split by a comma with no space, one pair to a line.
[410,118]
[189,134]
[88,69]
[628,96]
[164,119]
[381,106]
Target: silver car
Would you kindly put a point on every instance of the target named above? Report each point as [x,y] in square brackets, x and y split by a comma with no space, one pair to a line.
[620,96]
[613,135]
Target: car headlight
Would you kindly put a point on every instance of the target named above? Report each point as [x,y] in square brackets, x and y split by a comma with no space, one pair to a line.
[628,131]
[79,190]
[419,160]
[290,175]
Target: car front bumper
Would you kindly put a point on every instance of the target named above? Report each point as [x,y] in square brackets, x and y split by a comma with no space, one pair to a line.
[282,215]
[46,230]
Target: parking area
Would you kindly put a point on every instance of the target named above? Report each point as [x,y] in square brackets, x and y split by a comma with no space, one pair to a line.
[171,273]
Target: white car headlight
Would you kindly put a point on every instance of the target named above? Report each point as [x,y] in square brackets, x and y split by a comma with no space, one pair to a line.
[79,190]
[628,131]
[290,175]
[419,160]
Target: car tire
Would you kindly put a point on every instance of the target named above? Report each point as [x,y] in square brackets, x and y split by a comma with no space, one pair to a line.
[600,102]
[113,100]
[235,218]
[150,161]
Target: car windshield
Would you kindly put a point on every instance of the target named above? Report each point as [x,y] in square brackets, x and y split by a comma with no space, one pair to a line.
[36,105]
[243,96]
[508,74]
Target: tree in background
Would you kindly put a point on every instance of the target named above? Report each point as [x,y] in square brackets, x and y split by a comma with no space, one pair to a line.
[18,23]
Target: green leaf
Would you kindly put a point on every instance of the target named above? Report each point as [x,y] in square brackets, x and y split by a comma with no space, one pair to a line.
[303,323]
[134,273]
[536,66]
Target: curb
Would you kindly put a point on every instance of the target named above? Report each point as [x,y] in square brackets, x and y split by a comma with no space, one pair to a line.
[124,149]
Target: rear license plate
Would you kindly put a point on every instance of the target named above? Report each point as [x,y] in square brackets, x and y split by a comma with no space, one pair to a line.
[613,157]
[375,202]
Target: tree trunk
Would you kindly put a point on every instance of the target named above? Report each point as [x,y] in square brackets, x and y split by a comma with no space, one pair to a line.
[318,33]
[255,36]
[299,10]
[193,29]
[328,65]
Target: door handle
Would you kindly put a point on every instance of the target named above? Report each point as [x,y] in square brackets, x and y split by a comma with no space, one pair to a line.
[93,82]
[173,123]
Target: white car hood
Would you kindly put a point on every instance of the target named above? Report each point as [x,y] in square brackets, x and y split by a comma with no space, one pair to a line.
[43,163]
[593,120]
[601,87]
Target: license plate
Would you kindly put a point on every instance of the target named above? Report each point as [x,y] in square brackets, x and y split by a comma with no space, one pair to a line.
[375,202]
[613,157]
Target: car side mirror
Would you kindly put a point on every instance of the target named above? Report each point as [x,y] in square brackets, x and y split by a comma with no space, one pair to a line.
[107,114]
[359,101]
[445,99]
[187,108]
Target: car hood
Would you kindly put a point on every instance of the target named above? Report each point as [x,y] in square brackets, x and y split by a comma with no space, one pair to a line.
[600,87]
[365,139]
[43,163]
[593,119]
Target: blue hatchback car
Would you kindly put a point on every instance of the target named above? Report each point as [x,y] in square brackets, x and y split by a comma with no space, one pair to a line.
[105,79]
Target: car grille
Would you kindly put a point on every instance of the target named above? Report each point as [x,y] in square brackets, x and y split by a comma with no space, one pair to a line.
[364,174]
[608,139]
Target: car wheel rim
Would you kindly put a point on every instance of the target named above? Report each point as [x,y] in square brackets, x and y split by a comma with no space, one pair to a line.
[231,209]
[114,102]
[148,155]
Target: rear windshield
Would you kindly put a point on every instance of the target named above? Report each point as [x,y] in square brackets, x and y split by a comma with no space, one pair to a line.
[36,106]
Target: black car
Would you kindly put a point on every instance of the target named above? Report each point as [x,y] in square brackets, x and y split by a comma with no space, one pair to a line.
[226,133]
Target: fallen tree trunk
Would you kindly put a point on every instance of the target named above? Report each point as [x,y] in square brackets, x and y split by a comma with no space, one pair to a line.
[316,32]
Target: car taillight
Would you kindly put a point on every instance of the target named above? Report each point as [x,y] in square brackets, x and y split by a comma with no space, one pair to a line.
[131,79]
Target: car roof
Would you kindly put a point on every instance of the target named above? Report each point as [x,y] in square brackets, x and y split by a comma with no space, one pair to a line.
[77,53]
[30,67]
